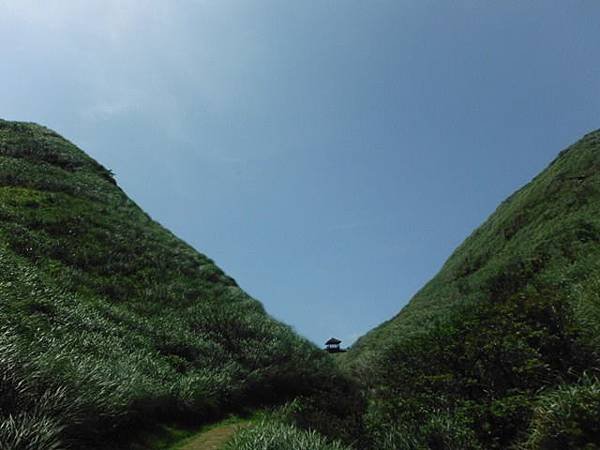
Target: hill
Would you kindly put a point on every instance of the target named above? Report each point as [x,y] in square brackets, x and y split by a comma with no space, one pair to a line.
[501,347]
[110,323]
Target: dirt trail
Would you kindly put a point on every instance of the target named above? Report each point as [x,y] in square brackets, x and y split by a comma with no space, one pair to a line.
[213,439]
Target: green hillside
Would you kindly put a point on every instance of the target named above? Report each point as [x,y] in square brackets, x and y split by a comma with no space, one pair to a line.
[109,323]
[501,348]
[112,329]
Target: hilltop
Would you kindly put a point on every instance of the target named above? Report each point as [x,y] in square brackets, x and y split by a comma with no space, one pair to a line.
[112,326]
[110,323]
[503,342]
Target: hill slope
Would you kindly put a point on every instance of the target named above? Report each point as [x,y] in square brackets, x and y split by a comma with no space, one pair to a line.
[513,315]
[108,321]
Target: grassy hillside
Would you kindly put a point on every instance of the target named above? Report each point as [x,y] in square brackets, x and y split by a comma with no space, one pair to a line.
[501,348]
[108,322]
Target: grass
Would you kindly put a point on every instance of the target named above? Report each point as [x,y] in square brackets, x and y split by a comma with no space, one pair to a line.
[213,437]
[163,437]
[129,323]
[116,334]
[513,315]
[274,435]
[176,436]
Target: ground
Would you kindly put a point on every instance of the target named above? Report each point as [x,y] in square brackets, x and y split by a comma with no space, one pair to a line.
[214,438]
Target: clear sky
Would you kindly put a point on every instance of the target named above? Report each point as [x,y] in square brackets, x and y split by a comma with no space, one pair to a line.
[329,155]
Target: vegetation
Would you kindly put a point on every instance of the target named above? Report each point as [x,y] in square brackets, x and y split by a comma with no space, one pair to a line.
[111,323]
[567,418]
[501,348]
[271,434]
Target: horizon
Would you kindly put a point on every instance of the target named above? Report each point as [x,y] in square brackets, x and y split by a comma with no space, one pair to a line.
[332,173]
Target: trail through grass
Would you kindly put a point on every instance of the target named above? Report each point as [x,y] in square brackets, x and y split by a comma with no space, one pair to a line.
[213,438]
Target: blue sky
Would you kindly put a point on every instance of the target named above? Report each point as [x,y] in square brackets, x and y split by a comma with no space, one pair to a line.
[329,155]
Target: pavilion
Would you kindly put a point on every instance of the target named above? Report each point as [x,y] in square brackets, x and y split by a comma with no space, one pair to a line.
[333,345]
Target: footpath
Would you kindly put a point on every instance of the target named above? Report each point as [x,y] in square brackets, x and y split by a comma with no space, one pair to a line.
[214,438]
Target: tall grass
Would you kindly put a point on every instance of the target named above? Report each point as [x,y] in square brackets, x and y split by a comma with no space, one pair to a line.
[273,435]
[28,413]
[567,417]
[503,337]
[116,322]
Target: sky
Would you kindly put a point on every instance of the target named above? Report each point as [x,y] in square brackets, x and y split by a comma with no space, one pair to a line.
[329,155]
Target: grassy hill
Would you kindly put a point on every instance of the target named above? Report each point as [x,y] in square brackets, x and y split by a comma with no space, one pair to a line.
[109,323]
[501,348]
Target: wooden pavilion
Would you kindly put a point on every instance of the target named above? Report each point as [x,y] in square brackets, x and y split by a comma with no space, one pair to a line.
[333,345]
